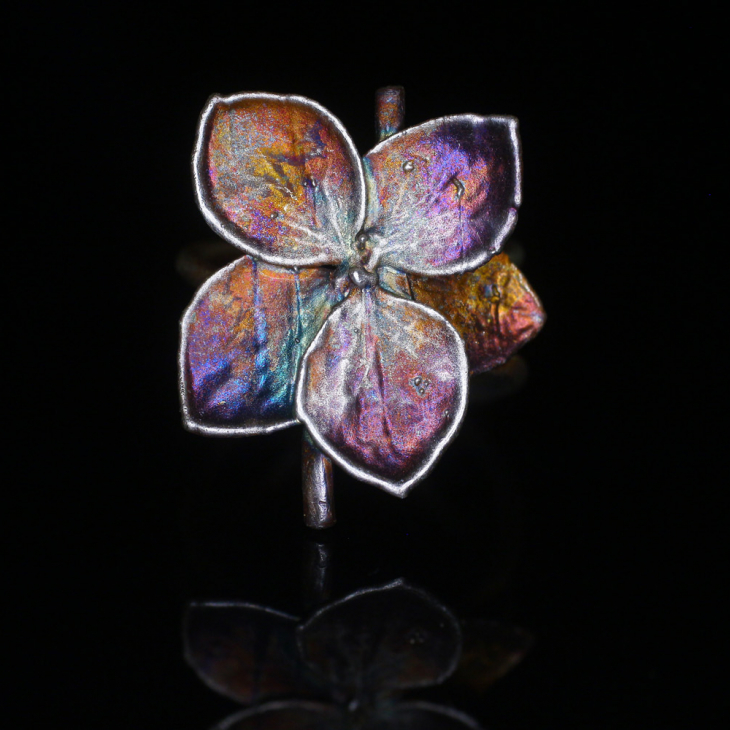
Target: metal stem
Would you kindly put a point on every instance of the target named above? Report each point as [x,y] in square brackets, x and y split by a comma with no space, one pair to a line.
[316,573]
[317,480]
[390,109]
[317,486]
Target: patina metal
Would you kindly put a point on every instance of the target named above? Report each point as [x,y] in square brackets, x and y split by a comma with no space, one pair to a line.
[358,307]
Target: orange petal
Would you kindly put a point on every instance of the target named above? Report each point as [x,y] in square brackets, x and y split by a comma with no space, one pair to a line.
[494,309]
[279,177]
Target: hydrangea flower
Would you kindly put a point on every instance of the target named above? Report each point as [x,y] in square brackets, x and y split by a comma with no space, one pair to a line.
[351,306]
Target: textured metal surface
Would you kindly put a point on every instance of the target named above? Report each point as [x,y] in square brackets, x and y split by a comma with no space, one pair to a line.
[443,196]
[390,111]
[494,309]
[383,388]
[317,486]
[395,281]
[279,176]
[243,337]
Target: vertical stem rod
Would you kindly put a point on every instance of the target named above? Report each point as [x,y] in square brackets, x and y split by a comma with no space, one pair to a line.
[316,573]
[390,109]
[317,486]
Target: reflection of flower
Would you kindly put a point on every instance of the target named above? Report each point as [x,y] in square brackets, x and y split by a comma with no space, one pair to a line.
[330,318]
[346,666]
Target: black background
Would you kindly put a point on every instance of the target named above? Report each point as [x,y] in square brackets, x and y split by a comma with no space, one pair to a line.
[586,508]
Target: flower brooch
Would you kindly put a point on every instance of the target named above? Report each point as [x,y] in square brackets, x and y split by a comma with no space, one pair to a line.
[369,290]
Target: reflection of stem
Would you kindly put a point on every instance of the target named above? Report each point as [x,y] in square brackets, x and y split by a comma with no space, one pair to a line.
[316,574]
[317,485]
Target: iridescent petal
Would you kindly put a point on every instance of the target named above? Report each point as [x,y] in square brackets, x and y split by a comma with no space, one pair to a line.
[380,640]
[395,281]
[243,337]
[494,309]
[383,388]
[279,177]
[443,196]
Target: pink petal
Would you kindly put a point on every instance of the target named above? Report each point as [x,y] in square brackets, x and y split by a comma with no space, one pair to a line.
[383,388]
[279,177]
[443,196]
[243,337]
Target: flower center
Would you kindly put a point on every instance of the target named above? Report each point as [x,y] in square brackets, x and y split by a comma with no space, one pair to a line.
[363,279]
[364,247]
[361,242]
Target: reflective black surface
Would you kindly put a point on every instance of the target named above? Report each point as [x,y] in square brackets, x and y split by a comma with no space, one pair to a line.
[585,509]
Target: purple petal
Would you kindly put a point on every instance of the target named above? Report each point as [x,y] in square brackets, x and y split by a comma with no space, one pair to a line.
[443,196]
[243,337]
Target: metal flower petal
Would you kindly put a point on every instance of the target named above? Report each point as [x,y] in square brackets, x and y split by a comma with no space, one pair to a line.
[243,651]
[443,196]
[494,309]
[382,388]
[243,337]
[379,641]
[279,177]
